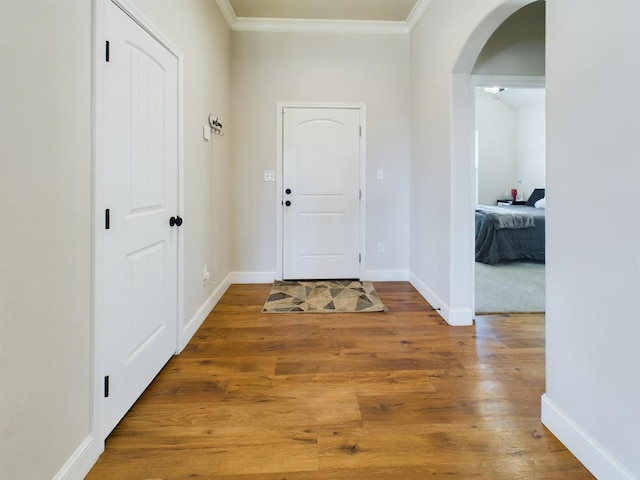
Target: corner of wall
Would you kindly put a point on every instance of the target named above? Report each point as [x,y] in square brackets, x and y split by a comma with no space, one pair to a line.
[192,326]
[82,461]
[460,317]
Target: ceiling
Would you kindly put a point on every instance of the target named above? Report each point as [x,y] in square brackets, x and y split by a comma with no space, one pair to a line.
[381,16]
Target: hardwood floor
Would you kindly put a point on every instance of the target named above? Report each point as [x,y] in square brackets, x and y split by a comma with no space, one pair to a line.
[388,396]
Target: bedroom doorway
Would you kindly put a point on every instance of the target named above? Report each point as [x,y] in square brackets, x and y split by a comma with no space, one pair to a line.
[510,154]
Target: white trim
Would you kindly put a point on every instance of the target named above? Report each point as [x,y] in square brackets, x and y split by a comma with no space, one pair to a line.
[81,461]
[417,12]
[99,38]
[585,448]
[362,108]
[386,275]
[269,277]
[245,24]
[531,81]
[318,26]
[252,277]
[454,317]
[203,312]
[227,12]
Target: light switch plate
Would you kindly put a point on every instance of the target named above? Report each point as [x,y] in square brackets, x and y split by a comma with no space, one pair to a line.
[269,175]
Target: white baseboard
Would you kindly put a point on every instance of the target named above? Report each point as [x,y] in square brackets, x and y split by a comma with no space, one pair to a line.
[370,275]
[203,312]
[582,445]
[82,461]
[252,277]
[386,275]
[454,317]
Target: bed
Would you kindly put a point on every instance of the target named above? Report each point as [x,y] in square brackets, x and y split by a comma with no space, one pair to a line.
[511,232]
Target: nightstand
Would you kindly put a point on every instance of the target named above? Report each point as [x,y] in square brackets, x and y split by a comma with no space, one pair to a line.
[511,202]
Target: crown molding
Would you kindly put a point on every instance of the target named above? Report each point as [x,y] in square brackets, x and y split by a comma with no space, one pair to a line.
[242,24]
[318,26]
[416,13]
[227,12]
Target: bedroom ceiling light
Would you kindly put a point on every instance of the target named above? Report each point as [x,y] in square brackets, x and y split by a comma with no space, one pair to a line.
[495,91]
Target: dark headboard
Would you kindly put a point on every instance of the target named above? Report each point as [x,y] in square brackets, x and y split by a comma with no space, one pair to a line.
[536,195]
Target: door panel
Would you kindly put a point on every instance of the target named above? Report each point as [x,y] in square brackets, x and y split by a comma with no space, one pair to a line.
[138,333]
[321,165]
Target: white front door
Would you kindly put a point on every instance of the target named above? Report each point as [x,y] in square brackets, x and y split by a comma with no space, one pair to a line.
[321,193]
[136,331]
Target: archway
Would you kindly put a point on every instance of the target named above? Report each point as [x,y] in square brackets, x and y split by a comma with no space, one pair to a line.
[462,156]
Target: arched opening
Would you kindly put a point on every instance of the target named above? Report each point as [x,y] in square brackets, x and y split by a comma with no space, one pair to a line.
[510,67]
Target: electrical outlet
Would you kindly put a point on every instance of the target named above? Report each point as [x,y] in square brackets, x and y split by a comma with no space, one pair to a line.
[269,175]
[380,247]
[206,276]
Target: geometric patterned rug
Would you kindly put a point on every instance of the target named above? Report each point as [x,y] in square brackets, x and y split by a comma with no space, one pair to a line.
[323,296]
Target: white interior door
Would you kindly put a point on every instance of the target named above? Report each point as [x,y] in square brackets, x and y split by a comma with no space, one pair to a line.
[321,193]
[137,329]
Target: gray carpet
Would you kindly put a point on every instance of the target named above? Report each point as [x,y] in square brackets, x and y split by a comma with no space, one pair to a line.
[510,287]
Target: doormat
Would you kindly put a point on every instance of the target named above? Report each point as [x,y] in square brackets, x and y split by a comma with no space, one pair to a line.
[323,296]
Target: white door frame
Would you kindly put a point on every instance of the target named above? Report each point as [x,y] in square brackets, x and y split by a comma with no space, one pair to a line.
[98,163]
[513,81]
[362,108]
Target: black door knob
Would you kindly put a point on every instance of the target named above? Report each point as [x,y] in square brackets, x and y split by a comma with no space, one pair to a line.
[172,221]
[178,221]
[288,191]
[287,203]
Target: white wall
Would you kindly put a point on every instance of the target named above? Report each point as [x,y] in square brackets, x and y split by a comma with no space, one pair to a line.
[497,136]
[199,30]
[531,158]
[592,400]
[444,47]
[45,265]
[45,237]
[315,67]
[517,47]
[511,143]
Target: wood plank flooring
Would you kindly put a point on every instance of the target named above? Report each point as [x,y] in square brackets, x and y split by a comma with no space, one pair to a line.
[388,396]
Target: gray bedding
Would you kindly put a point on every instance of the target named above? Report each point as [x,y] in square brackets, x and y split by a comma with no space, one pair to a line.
[495,244]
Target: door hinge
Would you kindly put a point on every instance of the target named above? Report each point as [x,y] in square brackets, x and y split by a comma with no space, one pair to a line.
[360,194]
[359,258]
[107,219]
[106,51]
[360,131]
[106,386]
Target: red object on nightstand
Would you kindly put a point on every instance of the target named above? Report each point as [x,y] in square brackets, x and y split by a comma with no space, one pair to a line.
[514,194]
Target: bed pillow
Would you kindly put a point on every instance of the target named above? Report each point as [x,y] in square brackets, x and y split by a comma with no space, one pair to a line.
[542,203]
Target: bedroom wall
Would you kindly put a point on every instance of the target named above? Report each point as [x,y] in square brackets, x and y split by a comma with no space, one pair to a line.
[593,269]
[511,134]
[531,157]
[199,30]
[45,239]
[316,67]
[497,146]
